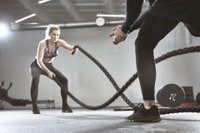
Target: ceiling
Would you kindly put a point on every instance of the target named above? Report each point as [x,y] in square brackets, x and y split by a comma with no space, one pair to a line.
[59,11]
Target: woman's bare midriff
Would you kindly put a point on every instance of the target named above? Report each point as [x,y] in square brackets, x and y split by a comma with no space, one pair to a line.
[48,60]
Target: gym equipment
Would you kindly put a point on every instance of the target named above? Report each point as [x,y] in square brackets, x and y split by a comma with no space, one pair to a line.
[4,92]
[20,102]
[166,110]
[192,109]
[13,101]
[189,94]
[171,95]
[48,103]
[120,91]
[198,98]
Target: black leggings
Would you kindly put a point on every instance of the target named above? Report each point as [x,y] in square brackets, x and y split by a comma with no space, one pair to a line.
[60,79]
[152,30]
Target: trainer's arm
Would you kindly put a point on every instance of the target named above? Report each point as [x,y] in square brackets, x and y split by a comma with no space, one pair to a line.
[136,25]
[133,10]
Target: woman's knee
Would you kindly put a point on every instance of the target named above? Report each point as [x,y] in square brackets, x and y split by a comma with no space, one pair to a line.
[35,72]
[34,85]
[35,81]
[64,81]
[64,86]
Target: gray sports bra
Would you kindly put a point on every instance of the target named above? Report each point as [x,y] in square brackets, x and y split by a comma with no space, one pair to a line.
[48,54]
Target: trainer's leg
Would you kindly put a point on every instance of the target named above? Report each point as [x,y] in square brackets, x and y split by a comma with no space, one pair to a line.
[153,29]
[151,32]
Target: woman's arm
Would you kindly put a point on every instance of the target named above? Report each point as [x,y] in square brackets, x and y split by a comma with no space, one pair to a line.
[39,57]
[67,46]
[133,10]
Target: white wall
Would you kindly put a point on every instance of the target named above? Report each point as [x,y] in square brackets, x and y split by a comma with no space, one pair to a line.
[86,81]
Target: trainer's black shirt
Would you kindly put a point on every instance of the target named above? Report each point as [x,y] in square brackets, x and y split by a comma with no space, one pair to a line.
[186,11]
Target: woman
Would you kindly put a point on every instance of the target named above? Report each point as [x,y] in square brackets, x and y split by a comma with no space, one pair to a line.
[42,64]
[159,20]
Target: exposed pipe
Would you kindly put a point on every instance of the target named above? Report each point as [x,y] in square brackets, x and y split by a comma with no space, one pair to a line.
[18,27]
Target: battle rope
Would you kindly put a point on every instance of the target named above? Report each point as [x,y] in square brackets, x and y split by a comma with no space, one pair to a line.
[179,110]
[119,92]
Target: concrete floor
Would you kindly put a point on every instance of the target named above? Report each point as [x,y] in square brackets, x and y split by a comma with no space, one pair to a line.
[87,121]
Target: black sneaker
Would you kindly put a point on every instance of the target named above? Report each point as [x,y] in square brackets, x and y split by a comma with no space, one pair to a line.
[145,115]
[66,109]
[136,108]
[35,109]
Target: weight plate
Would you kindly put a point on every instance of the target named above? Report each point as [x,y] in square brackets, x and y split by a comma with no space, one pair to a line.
[171,95]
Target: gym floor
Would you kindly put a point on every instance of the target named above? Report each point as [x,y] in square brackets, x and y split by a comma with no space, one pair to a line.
[89,121]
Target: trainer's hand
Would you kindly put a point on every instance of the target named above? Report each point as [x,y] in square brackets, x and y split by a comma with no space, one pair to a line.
[118,35]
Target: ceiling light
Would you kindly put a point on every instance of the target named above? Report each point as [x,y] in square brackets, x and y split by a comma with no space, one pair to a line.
[43,1]
[4,30]
[100,21]
[111,15]
[32,23]
[14,26]
[24,18]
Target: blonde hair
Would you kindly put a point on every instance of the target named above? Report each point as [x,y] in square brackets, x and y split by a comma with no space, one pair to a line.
[50,28]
